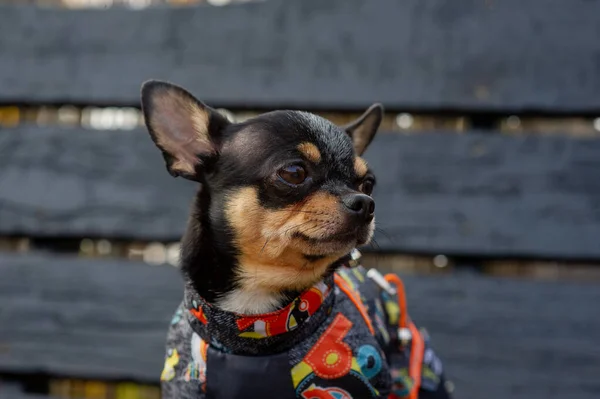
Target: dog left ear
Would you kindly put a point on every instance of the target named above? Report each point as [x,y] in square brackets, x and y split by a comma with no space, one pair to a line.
[362,130]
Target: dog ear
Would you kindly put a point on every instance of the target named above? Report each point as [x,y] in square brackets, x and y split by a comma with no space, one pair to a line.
[183,128]
[362,130]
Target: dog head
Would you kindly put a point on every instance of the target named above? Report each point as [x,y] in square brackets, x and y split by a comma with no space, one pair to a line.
[287,192]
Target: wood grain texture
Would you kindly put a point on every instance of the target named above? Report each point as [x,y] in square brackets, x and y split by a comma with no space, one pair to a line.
[474,194]
[89,319]
[75,183]
[488,195]
[505,56]
[104,319]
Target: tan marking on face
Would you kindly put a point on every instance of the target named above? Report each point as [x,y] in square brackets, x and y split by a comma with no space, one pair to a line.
[271,255]
[310,151]
[360,167]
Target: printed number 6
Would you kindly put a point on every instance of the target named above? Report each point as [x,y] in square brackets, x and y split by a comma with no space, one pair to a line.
[331,357]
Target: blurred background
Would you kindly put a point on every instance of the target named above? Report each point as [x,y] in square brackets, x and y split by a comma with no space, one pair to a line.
[488,166]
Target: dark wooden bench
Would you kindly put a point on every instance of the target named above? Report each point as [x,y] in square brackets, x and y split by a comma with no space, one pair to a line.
[476,194]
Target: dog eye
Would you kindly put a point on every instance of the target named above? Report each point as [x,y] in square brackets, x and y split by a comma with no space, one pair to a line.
[293,174]
[367,186]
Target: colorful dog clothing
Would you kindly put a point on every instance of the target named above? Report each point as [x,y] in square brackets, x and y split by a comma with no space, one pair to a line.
[346,337]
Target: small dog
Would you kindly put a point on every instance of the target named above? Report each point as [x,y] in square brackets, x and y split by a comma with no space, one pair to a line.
[275,305]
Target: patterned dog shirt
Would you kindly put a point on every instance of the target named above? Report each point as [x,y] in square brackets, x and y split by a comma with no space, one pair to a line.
[346,337]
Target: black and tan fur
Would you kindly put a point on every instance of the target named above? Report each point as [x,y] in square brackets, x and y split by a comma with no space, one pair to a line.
[254,240]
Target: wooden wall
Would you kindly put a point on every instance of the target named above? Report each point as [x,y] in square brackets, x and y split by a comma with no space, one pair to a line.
[487,162]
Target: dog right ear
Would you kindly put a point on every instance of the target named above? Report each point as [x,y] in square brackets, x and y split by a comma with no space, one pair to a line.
[183,128]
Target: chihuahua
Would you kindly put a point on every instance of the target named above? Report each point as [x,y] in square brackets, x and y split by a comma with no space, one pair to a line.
[275,304]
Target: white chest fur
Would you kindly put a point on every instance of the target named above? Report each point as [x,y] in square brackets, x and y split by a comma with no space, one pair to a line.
[249,302]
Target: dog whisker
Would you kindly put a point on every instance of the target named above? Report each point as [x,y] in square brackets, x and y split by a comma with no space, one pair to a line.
[375,245]
[296,226]
[388,236]
[264,246]
[283,234]
[298,211]
[311,229]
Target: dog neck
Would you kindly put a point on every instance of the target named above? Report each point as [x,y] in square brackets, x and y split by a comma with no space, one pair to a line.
[209,260]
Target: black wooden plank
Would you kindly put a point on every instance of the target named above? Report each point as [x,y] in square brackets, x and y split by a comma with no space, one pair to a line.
[107,319]
[505,56]
[88,319]
[501,337]
[78,183]
[491,195]
[472,194]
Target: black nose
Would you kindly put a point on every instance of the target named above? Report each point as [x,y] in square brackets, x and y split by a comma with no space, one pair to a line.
[361,205]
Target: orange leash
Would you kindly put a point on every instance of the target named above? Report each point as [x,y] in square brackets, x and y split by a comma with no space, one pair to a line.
[417,345]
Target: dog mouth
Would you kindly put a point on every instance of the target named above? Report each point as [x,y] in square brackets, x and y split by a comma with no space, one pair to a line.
[358,235]
[331,237]
[344,237]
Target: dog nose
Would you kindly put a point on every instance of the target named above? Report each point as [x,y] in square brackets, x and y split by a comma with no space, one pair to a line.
[361,205]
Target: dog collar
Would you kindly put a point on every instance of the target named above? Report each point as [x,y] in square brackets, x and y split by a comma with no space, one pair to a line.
[267,333]
[301,309]
[263,333]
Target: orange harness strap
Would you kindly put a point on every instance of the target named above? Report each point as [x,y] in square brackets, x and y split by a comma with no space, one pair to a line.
[341,283]
[417,345]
